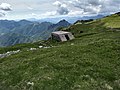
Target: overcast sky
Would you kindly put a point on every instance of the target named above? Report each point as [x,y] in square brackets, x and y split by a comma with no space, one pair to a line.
[21,9]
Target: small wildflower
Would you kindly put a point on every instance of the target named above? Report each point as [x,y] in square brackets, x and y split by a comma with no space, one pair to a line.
[30,83]
[76,87]
[40,46]
[72,43]
[46,47]
[117,83]
[8,53]
[33,49]
[108,87]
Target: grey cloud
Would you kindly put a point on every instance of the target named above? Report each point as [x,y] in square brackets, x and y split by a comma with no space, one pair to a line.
[6,9]
[97,6]
[110,6]
[2,14]
[62,8]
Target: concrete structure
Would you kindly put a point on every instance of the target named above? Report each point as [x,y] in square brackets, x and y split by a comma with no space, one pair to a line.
[62,36]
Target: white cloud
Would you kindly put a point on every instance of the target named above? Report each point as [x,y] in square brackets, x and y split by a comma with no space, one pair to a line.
[57,3]
[73,13]
[30,8]
[5,7]
[33,14]
[39,16]
[52,13]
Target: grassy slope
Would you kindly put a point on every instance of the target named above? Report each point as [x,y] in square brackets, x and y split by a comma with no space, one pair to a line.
[89,62]
[113,21]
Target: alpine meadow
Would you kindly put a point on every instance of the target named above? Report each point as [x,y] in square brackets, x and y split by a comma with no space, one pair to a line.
[88,62]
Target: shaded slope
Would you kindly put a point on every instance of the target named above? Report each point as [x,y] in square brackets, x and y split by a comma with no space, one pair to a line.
[33,30]
[12,39]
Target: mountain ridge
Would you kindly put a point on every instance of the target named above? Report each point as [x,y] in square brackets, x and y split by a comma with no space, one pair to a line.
[33,30]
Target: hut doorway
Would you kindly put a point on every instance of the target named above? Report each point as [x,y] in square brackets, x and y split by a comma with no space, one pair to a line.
[67,37]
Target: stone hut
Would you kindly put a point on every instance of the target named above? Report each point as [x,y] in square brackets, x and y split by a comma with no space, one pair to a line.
[62,36]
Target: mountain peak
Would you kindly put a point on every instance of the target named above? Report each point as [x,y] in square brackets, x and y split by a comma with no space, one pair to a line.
[63,23]
[24,21]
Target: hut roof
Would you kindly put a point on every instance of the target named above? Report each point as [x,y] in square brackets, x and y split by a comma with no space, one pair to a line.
[60,32]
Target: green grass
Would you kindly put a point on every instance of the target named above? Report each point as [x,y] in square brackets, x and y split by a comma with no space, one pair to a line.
[112,22]
[89,62]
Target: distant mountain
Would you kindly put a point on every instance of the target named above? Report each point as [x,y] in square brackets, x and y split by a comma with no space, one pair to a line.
[12,32]
[33,30]
[70,19]
[62,23]
[24,22]
[12,39]
[8,25]
[33,19]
